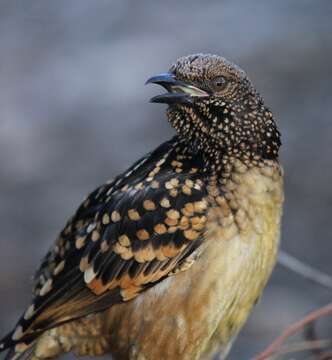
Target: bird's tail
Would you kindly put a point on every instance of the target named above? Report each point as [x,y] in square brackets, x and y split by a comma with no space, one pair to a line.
[26,354]
[16,350]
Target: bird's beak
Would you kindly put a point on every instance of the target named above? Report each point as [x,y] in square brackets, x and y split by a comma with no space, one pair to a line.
[179,92]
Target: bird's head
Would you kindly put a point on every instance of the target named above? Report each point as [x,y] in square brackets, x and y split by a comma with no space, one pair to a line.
[214,105]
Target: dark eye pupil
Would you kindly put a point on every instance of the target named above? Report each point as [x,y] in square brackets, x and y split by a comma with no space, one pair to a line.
[220,82]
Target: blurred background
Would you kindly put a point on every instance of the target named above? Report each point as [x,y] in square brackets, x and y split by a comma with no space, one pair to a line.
[74,112]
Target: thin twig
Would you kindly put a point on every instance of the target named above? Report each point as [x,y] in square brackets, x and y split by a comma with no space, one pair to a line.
[303,346]
[304,270]
[325,356]
[293,329]
[310,334]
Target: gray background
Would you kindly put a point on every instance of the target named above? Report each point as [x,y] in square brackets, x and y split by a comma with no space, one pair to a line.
[74,111]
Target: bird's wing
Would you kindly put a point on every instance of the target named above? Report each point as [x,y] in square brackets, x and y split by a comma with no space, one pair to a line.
[127,236]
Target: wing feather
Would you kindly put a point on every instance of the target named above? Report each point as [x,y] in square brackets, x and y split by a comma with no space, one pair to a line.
[126,236]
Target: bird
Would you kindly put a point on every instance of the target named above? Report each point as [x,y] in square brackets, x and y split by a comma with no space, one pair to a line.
[167,260]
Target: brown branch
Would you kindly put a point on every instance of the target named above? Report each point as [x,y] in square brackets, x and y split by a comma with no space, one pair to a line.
[304,346]
[325,356]
[310,334]
[293,329]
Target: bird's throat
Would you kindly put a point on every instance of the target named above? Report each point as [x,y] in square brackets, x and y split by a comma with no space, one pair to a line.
[226,136]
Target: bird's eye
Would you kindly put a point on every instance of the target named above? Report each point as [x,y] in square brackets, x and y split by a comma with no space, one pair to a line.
[219,82]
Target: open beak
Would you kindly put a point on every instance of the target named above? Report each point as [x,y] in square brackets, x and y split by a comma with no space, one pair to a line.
[179,92]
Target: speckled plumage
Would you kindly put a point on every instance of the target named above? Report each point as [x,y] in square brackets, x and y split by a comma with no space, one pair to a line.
[167,260]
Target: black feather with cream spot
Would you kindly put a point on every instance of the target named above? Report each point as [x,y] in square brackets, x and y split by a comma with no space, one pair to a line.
[141,225]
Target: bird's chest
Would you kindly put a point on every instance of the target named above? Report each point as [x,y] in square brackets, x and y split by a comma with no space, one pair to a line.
[242,240]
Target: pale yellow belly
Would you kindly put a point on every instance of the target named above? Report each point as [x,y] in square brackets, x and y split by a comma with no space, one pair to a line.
[177,319]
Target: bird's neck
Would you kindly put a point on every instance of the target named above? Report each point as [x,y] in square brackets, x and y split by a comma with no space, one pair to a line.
[221,166]
[224,132]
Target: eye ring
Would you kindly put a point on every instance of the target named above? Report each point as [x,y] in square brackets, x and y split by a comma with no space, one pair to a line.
[219,82]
